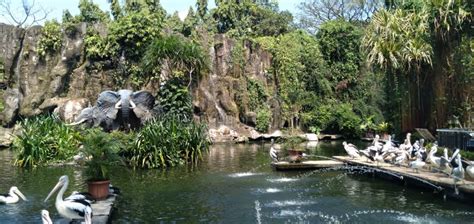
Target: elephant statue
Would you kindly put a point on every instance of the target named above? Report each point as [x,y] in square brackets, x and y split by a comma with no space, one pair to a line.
[123,109]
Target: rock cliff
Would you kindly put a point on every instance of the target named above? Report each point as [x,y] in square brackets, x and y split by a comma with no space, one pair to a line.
[36,85]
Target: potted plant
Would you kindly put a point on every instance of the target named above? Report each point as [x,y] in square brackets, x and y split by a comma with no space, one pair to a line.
[383,129]
[100,151]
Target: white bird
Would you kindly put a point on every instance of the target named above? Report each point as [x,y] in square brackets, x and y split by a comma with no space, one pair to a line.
[351,150]
[458,172]
[378,145]
[402,157]
[45,217]
[417,164]
[407,143]
[12,196]
[273,152]
[470,170]
[70,209]
[114,190]
[388,146]
[378,158]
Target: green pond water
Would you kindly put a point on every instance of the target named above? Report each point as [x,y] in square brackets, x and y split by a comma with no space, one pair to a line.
[235,184]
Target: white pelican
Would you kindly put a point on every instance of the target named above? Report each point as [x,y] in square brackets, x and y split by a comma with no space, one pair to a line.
[417,164]
[273,152]
[351,150]
[45,217]
[114,190]
[458,172]
[70,209]
[12,196]
[407,143]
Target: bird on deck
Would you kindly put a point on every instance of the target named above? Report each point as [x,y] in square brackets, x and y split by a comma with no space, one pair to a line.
[273,152]
[351,150]
[70,209]
[12,196]
[417,164]
[114,190]
[45,217]
[406,145]
[458,172]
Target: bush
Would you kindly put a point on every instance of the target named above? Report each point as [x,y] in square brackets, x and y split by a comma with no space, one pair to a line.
[44,139]
[51,39]
[264,116]
[165,142]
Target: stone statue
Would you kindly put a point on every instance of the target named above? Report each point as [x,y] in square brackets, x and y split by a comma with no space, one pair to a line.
[135,109]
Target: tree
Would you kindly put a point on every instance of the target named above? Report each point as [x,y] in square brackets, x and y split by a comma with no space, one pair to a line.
[315,12]
[201,6]
[30,13]
[91,13]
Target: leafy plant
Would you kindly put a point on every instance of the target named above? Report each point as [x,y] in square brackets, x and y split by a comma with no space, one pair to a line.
[44,139]
[51,39]
[167,141]
[175,99]
[264,116]
[101,150]
[383,127]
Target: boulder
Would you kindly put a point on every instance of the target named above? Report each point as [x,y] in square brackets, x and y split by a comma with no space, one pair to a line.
[7,135]
[11,99]
[70,109]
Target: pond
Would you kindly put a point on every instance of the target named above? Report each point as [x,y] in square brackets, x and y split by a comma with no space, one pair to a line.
[235,184]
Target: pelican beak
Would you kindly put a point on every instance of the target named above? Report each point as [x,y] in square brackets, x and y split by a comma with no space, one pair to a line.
[20,194]
[58,185]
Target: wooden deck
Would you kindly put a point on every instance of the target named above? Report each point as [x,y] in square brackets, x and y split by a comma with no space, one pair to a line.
[307,165]
[423,177]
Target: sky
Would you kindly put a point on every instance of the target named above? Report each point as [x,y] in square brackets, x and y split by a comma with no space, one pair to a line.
[56,7]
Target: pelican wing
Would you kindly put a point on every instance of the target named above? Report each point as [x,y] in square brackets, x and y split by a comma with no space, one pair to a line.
[78,206]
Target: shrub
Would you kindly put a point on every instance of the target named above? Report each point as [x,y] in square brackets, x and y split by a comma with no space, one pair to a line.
[44,139]
[165,142]
[51,39]
[175,99]
[264,116]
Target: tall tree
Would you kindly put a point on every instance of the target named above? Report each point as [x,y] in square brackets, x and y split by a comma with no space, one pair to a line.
[315,12]
[201,6]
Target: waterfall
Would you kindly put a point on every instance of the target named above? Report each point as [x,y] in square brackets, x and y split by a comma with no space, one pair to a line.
[220,111]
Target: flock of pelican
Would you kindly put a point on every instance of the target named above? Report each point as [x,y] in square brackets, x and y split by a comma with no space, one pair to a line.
[414,156]
[77,206]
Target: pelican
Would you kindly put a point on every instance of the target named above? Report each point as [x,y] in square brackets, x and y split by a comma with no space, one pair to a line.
[12,196]
[407,143]
[75,195]
[458,172]
[417,164]
[45,217]
[70,209]
[114,190]
[351,150]
[273,152]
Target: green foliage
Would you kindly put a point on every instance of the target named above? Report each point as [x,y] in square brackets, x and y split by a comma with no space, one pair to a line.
[134,31]
[180,56]
[44,139]
[51,39]
[257,95]
[99,48]
[166,142]
[246,18]
[101,150]
[175,99]
[264,117]
[91,12]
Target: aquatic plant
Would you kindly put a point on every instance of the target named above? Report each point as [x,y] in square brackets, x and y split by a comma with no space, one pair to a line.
[44,139]
[167,141]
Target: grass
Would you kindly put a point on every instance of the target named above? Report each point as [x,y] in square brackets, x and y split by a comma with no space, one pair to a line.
[166,142]
[44,139]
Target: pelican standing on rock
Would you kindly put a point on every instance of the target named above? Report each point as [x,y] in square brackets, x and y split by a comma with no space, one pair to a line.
[45,217]
[70,209]
[12,196]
